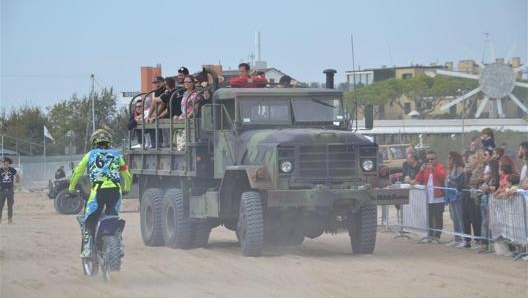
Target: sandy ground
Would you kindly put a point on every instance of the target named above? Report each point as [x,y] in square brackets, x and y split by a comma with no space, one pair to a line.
[39,257]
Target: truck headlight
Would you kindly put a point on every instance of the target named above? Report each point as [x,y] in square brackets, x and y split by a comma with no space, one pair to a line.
[286,166]
[367,165]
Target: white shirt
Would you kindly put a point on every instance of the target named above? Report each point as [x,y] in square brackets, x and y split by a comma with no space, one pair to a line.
[430,192]
[524,172]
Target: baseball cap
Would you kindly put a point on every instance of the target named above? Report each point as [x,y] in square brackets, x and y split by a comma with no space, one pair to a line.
[158,79]
[183,70]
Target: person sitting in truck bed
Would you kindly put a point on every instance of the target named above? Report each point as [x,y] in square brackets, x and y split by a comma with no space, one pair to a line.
[190,105]
[245,80]
[204,87]
[191,99]
[171,92]
[156,104]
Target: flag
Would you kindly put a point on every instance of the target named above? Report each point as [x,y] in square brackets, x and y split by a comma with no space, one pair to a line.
[47,133]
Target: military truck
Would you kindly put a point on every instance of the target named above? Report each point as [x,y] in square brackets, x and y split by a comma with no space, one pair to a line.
[275,165]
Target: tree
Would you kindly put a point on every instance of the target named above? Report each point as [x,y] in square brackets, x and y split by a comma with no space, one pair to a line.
[379,93]
[425,92]
[24,129]
[75,114]
[119,125]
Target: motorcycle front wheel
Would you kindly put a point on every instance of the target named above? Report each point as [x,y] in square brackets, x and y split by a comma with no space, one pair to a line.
[90,265]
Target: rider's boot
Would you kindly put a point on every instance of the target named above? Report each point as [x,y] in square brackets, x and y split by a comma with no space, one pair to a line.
[87,245]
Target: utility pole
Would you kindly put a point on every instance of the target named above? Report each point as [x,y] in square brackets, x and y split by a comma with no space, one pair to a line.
[91,97]
[92,78]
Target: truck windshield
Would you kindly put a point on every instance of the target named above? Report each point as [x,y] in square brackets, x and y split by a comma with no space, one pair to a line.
[256,111]
[279,110]
[317,109]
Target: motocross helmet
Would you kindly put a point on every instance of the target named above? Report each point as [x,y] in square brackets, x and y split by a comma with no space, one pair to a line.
[100,137]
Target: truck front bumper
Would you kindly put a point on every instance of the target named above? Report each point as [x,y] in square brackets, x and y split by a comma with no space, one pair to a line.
[325,197]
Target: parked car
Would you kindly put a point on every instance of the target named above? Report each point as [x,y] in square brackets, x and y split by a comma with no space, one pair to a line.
[393,156]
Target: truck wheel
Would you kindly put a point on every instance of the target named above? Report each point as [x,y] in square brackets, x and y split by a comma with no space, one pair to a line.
[362,229]
[150,217]
[66,204]
[176,224]
[251,224]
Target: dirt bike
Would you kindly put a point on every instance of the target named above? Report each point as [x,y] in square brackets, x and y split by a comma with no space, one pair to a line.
[106,246]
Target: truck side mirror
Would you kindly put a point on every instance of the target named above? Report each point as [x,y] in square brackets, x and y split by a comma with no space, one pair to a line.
[369,116]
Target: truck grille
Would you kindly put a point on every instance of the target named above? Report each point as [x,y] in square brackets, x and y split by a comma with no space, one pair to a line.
[327,161]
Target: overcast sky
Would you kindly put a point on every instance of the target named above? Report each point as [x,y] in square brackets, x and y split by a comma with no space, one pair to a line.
[50,48]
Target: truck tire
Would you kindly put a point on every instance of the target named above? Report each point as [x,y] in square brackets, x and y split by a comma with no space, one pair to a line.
[176,224]
[362,229]
[150,217]
[251,224]
[66,204]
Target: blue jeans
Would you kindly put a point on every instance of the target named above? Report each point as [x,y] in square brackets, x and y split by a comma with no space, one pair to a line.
[455,210]
[484,214]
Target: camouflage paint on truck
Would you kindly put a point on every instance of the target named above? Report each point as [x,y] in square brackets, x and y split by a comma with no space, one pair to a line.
[274,165]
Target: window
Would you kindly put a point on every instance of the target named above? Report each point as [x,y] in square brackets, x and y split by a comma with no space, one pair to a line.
[317,109]
[264,111]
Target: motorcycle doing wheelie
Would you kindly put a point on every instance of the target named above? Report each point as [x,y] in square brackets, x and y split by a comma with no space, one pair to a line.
[106,248]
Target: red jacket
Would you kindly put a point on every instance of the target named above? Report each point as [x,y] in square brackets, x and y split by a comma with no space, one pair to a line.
[242,82]
[439,175]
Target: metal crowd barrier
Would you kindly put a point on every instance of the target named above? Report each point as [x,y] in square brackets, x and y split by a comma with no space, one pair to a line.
[415,215]
[508,218]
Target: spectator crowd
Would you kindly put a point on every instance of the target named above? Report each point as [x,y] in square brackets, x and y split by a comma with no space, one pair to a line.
[465,183]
